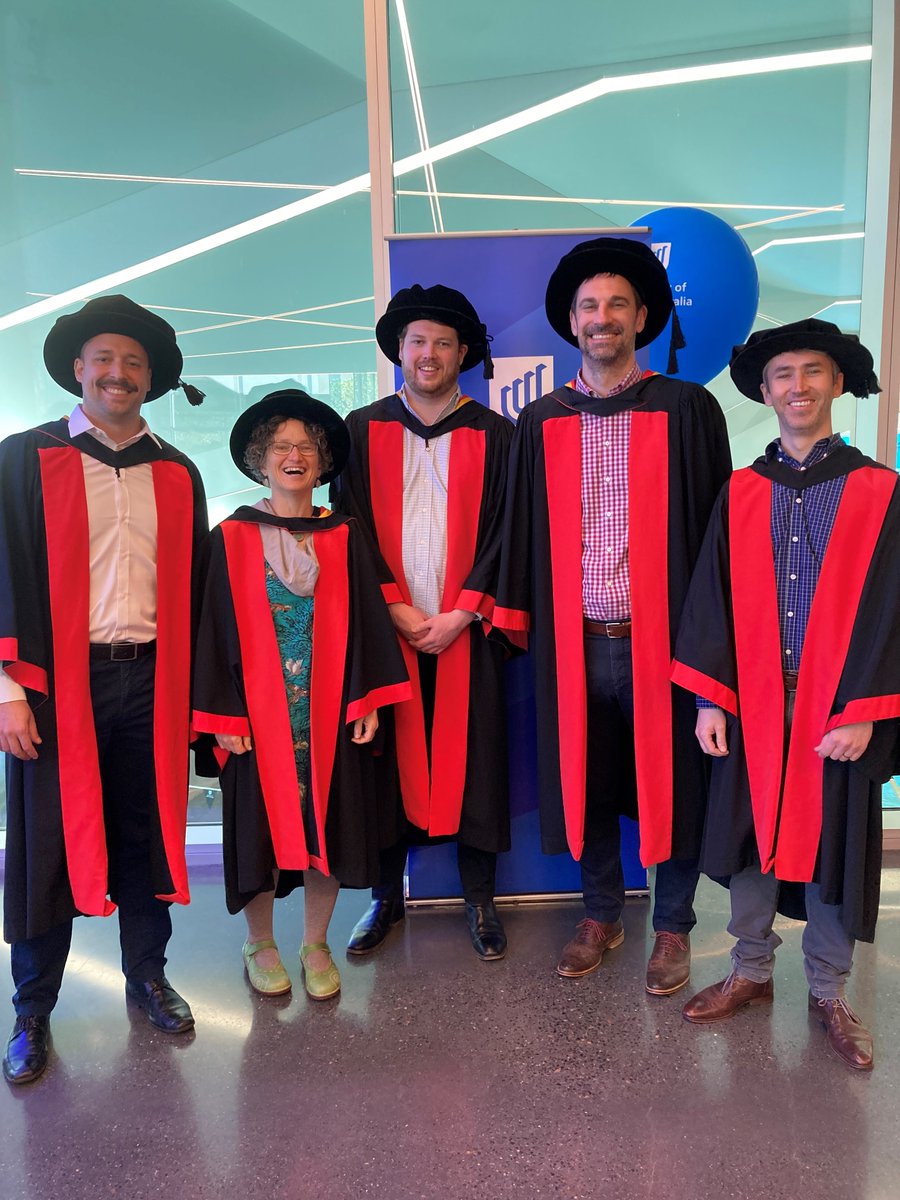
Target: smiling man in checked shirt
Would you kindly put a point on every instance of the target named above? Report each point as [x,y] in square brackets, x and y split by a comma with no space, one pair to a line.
[611,482]
[791,640]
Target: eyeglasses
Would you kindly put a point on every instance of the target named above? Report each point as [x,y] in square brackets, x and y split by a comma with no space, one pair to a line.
[305,448]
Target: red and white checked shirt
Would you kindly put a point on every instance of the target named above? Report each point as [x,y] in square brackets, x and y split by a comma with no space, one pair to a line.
[606,579]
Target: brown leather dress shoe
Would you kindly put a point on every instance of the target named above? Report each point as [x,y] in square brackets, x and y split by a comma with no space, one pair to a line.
[669,967]
[591,941]
[845,1033]
[722,1000]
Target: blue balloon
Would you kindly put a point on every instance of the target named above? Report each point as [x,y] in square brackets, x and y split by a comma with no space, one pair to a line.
[715,287]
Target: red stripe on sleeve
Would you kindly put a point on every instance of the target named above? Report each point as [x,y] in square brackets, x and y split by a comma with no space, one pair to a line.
[704,685]
[68,562]
[872,708]
[648,556]
[562,449]
[264,689]
[205,722]
[512,619]
[393,693]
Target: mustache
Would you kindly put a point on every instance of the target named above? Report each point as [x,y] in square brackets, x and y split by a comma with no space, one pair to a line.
[111,381]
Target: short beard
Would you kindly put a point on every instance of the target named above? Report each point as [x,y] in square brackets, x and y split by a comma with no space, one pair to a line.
[605,356]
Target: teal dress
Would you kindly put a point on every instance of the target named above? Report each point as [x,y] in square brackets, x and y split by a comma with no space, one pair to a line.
[292,617]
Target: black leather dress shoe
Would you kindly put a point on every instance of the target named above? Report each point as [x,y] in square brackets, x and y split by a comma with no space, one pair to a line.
[374,925]
[486,930]
[164,1007]
[27,1050]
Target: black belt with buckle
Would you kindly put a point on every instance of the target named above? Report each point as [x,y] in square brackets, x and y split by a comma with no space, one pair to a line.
[120,651]
[609,629]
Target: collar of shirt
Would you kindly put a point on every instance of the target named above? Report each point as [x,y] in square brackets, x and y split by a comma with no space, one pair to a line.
[634,376]
[80,422]
[820,450]
[451,405]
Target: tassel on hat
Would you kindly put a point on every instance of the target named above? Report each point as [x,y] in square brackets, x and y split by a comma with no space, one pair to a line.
[488,361]
[677,342]
[194,395]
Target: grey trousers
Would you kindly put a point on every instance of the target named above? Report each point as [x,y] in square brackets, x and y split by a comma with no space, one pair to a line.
[827,947]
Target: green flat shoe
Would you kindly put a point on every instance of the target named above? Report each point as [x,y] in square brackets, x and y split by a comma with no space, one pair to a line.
[268,981]
[320,985]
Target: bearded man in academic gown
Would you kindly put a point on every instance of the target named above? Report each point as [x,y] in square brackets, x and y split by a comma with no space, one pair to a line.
[426,478]
[791,640]
[611,481]
[101,530]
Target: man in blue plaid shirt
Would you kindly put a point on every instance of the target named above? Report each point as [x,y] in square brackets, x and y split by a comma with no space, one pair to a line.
[791,639]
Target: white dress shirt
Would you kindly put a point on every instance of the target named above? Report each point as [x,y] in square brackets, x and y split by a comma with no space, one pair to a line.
[121,508]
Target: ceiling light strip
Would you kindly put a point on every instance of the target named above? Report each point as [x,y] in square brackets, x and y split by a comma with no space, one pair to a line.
[626,83]
[272,349]
[120,178]
[788,208]
[437,218]
[233,233]
[414,162]
[799,241]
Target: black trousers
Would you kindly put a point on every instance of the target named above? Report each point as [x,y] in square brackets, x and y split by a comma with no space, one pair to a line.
[477,868]
[122,699]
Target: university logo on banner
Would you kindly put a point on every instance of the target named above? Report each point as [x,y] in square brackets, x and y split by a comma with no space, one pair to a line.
[518,381]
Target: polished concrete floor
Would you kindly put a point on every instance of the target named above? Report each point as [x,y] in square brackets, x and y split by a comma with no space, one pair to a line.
[435,1075]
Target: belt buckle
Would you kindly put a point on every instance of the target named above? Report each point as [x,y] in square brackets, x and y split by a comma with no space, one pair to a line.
[123,651]
[616,625]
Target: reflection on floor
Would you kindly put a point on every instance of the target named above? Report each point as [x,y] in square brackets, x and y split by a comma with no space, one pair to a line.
[434,1075]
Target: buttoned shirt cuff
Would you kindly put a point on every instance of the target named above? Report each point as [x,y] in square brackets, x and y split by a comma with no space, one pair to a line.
[9,689]
[702,703]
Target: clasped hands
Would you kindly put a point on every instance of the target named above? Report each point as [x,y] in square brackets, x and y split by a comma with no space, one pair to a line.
[429,635]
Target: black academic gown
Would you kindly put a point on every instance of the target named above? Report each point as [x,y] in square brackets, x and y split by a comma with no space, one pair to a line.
[239,689]
[56,857]
[775,805]
[678,460]
[457,786]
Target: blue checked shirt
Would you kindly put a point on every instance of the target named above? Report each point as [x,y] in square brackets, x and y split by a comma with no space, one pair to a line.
[801,524]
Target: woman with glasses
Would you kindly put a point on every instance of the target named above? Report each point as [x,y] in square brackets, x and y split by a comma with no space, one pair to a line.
[296,653]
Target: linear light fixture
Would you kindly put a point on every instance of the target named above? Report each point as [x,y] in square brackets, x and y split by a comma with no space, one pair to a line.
[476,137]
[835,304]
[120,178]
[629,83]
[798,241]
[419,113]
[272,349]
[786,208]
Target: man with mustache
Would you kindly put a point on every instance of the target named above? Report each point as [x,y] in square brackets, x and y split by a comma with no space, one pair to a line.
[101,528]
[611,481]
[426,477]
[791,637]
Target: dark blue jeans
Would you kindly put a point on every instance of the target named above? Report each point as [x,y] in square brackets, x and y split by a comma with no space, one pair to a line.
[610,790]
[122,698]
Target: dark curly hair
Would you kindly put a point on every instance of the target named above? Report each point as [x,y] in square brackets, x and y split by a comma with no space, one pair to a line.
[263,435]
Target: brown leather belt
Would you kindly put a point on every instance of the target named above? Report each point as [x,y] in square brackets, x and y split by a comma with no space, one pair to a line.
[120,651]
[790,680]
[610,629]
